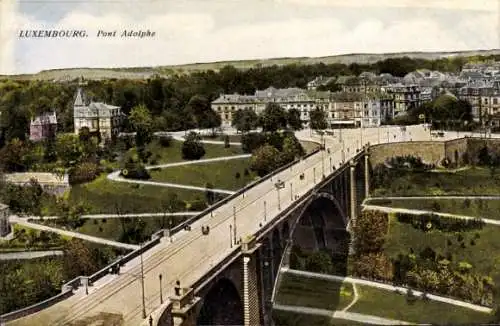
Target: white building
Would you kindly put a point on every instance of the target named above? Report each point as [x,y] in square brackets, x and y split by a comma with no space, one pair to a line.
[96,116]
[50,182]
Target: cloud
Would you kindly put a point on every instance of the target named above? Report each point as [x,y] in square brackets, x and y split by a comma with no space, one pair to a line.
[197,36]
[482,5]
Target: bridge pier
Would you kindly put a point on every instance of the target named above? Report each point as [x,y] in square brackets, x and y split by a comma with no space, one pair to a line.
[251,305]
[353,202]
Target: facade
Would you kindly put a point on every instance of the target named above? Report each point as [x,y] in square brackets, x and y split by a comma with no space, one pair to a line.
[341,108]
[4,220]
[96,116]
[49,182]
[405,97]
[319,81]
[43,126]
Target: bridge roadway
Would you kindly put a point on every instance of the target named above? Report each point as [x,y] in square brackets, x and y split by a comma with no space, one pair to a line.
[189,255]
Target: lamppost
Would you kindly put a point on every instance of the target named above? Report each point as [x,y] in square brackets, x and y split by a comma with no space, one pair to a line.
[279,185]
[234,222]
[291,191]
[331,164]
[142,286]
[387,135]
[314,174]
[230,235]
[265,210]
[161,292]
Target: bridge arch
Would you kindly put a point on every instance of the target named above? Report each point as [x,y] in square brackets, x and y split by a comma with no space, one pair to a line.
[222,305]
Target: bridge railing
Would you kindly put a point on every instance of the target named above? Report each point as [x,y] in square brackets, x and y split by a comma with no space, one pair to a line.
[35,307]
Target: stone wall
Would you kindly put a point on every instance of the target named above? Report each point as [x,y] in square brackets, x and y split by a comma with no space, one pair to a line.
[456,150]
[429,152]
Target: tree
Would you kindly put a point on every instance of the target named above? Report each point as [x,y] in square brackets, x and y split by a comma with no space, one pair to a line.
[319,262]
[171,205]
[292,149]
[226,141]
[370,231]
[318,120]
[69,149]
[77,259]
[484,157]
[265,160]
[245,120]
[293,119]
[273,118]
[142,123]
[192,148]
[12,156]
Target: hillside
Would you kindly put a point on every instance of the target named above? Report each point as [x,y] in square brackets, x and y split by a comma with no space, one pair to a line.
[146,72]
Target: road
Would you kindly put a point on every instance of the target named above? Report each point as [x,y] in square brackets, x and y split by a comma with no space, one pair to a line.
[420,212]
[30,254]
[115,176]
[387,287]
[191,255]
[360,318]
[23,222]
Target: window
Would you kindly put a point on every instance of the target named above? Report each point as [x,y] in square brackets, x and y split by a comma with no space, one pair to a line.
[495,100]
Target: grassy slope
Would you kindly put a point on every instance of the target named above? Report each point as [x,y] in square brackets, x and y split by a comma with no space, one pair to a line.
[392,305]
[174,154]
[316,293]
[479,208]
[220,174]
[473,182]
[484,255]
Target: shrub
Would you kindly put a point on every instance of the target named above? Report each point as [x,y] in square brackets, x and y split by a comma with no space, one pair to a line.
[237,175]
[84,172]
[192,148]
[246,173]
[165,140]
[198,205]
[226,141]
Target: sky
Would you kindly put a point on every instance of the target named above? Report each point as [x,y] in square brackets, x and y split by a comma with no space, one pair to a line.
[189,31]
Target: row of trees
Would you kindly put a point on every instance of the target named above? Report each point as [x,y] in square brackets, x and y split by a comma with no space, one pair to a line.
[275,118]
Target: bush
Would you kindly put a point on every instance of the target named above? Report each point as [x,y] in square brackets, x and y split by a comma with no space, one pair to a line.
[165,140]
[237,175]
[198,205]
[192,148]
[226,141]
[442,223]
[84,172]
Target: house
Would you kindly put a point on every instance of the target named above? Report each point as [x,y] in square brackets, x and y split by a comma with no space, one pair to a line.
[4,220]
[405,97]
[43,126]
[319,81]
[50,182]
[96,116]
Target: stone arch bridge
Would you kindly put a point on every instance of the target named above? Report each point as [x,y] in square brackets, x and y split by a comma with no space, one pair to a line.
[240,291]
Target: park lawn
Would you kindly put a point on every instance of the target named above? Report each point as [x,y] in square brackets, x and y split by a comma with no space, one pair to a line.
[173,153]
[288,318]
[104,196]
[483,253]
[482,208]
[297,290]
[220,174]
[474,181]
[232,138]
[392,305]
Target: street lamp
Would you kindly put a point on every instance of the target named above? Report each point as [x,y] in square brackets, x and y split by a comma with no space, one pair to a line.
[291,191]
[279,185]
[230,235]
[161,292]
[234,222]
[265,210]
[142,286]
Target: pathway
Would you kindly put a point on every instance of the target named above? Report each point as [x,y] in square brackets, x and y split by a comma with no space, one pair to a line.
[30,254]
[115,176]
[435,197]
[386,209]
[387,287]
[21,221]
[99,216]
[361,318]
